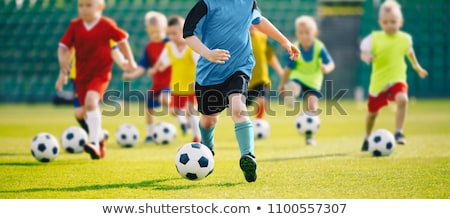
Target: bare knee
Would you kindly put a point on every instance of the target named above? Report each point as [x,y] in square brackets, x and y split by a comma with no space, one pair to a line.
[79,113]
[209,121]
[372,115]
[401,99]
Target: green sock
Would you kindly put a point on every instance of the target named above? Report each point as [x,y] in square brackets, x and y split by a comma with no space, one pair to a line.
[244,136]
[207,136]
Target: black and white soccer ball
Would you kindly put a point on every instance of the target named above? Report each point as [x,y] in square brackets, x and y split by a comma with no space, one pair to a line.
[261,128]
[127,135]
[381,143]
[194,161]
[307,124]
[164,133]
[73,139]
[44,147]
[104,135]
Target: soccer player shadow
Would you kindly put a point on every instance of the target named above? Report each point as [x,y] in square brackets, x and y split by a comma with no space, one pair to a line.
[318,156]
[155,184]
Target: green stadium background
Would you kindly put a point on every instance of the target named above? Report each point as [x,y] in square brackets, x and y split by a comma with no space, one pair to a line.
[30,32]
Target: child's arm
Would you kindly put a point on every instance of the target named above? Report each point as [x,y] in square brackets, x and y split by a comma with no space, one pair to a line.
[218,56]
[413,59]
[126,76]
[275,63]
[119,58]
[64,65]
[327,68]
[283,80]
[366,47]
[270,30]
[126,50]
[327,65]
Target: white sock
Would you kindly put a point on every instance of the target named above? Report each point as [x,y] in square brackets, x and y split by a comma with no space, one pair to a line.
[150,129]
[398,130]
[94,122]
[193,122]
[181,118]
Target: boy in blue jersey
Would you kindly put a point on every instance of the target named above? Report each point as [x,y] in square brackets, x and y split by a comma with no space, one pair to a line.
[225,67]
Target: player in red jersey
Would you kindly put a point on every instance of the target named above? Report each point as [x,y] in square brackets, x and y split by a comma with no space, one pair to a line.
[90,35]
[159,93]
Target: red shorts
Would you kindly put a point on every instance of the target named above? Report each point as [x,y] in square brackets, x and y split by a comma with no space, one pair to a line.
[179,101]
[97,84]
[383,98]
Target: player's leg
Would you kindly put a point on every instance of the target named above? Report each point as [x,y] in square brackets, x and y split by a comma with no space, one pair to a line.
[179,110]
[261,100]
[292,90]
[402,105]
[79,116]
[210,100]
[207,126]
[93,120]
[153,102]
[243,127]
[312,101]
[375,103]
[193,118]
[261,107]
[79,110]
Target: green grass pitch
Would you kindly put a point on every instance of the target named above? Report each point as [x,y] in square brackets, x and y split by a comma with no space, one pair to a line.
[287,168]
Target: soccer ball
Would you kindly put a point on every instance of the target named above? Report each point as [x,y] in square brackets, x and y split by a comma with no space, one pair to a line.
[194,161]
[127,135]
[261,128]
[306,124]
[104,135]
[164,133]
[381,143]
[73,139]
[44,147]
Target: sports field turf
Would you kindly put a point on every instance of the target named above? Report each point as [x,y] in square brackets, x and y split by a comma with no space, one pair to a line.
[287,168]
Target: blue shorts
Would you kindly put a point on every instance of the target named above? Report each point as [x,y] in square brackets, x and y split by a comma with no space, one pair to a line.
[307,90]
[76,101]
[153,98]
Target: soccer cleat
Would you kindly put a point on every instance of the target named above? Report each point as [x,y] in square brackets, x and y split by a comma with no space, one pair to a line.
[196,139]
[149,139]
[365,146]
[400,138]
[103,148]
[248,166]
[92,150]
[310,141]
[184,128]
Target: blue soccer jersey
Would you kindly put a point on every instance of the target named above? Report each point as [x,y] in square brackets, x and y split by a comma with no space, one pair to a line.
[223,25]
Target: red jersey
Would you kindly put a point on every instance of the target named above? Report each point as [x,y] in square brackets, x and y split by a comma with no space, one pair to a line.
[92,46]
[161,79]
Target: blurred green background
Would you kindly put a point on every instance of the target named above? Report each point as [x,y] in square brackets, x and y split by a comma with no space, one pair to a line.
[30,31]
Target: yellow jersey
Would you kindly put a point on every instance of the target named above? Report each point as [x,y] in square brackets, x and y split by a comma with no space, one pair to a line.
[183,70]
[262,52]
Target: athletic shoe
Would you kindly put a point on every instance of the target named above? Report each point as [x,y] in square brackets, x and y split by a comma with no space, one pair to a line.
[103,148]
[400,138]
[148,139]
[184,128]
[92,150]
[365,146]
[310,141]
[248,166]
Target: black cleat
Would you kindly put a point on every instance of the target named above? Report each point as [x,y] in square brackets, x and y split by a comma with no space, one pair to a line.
[184,128]
[248,166]
[92,150]
[400,138]
[365,146]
